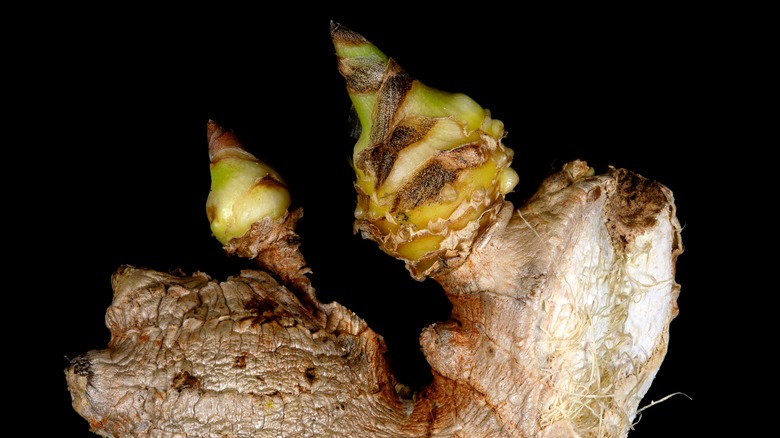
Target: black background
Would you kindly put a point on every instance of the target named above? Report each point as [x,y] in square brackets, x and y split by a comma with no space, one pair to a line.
[115,103]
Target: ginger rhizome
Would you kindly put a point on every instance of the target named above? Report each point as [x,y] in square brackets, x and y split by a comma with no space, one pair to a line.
[561,307]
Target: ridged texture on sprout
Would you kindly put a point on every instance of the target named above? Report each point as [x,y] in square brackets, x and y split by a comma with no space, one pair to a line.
[431,169]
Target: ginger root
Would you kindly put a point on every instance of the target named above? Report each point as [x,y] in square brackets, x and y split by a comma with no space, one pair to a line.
[560,321]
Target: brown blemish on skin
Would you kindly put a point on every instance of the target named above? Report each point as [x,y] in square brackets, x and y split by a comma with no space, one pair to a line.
[444,168]
[310,374]
[372,74]
[362,75]
[424,186]
[594,194]
[185,380]
[634,206]
[264,310]
[390,97]
[259,305]
[345,36]
[381,158]
[464,157]
[211,212]
[240,361]
[81,366]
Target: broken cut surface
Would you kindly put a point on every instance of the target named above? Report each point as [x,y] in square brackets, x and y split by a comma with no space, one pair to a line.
[577,306]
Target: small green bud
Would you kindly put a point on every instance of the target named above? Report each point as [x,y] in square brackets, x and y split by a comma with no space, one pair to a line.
[244,190]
